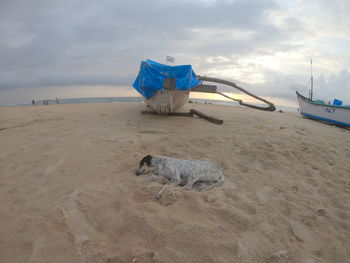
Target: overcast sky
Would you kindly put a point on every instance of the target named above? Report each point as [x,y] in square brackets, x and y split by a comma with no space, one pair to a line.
[93,48]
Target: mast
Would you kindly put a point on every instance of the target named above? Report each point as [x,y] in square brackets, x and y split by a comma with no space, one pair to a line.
[312,82]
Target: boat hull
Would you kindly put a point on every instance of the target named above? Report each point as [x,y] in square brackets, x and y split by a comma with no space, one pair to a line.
[164,101]
[337,115]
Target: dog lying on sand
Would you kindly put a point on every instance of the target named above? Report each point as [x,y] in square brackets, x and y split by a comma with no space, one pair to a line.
[192,174]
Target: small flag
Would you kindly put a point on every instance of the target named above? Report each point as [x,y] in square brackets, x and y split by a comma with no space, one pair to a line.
[170,59]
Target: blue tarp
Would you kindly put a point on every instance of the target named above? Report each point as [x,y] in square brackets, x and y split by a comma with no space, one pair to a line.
[152,75]
[337,102]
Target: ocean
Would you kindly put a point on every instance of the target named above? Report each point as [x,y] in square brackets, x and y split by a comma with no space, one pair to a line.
[133,99]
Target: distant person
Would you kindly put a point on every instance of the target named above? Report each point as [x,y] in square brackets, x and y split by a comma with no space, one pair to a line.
[33,102]
[44,102]
[57,101]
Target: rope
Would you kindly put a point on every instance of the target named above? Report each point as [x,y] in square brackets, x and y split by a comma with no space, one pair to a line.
[270,107]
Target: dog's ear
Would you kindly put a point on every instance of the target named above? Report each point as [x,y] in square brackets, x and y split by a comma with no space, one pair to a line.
[146,160]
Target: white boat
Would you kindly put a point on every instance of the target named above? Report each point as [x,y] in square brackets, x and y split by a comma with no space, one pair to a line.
[318,110]
[164,101]
[335,114]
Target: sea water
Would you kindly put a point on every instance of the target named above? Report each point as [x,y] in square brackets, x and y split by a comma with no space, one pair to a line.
[134,99]
[78,100]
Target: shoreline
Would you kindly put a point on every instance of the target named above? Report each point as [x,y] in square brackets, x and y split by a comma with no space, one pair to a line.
[137,99]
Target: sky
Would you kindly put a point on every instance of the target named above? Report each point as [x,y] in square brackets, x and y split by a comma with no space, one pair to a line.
[85,48]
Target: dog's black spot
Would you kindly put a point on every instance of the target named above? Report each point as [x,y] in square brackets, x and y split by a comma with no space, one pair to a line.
[146,160]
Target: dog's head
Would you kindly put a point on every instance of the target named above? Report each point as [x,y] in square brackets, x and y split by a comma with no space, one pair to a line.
[145,165]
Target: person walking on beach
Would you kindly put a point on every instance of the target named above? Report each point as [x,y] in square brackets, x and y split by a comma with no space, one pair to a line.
[57,101]
[33,102]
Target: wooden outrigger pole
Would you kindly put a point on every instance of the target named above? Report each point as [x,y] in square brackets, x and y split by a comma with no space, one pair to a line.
[205,88]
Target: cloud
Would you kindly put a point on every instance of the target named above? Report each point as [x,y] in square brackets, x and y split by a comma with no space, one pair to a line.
[333,86]
[265,44]
[85,39]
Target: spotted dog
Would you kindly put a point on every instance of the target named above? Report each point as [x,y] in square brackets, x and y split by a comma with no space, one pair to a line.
[191,174]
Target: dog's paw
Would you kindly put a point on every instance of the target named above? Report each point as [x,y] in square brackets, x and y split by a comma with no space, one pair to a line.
[158,196]
[163,180]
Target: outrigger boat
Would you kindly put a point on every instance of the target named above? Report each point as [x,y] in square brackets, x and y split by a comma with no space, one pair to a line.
[167,88]
[335,113]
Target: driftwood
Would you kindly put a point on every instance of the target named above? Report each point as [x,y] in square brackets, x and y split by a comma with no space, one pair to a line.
[188,114]
[208,118]
[183,114]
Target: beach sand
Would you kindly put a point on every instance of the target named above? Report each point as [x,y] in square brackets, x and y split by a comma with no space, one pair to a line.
[69,194]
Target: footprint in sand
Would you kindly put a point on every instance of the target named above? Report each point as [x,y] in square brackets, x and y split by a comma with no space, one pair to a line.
[75,219]
[79,227]
[263,194]
[304,235]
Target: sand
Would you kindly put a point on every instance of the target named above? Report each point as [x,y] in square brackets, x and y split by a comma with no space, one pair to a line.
[68,192]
